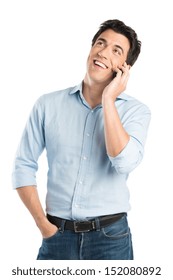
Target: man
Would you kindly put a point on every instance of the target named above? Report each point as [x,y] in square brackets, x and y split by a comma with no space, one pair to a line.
[94,135]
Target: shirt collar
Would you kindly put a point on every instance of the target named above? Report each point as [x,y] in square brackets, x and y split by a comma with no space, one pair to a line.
[78,88]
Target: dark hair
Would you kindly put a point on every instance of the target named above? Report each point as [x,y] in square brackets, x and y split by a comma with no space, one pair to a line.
[119,27]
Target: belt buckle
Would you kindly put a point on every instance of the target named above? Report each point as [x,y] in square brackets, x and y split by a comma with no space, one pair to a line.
[79,226]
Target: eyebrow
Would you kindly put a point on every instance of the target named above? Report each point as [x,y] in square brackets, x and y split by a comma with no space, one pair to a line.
[117,46]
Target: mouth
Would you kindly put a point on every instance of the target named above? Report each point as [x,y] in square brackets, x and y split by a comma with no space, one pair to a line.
[100,64]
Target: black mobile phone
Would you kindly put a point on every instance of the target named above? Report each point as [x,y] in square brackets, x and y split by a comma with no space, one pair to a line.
[114,74]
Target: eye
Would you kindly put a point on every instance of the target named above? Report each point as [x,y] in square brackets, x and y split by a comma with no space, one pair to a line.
[100,43]
[117,51]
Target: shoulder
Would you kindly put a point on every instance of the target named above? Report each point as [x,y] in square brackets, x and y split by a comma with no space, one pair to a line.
[133,104]
[55,95]
[56,99]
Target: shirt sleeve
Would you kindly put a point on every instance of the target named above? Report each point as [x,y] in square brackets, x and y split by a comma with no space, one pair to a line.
[30,148]
[136,122]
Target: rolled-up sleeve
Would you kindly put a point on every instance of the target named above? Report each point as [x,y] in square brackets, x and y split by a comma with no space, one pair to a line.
[30,148]
[136,122]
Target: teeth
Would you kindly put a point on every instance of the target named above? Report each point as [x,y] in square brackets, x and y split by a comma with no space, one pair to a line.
[100,64]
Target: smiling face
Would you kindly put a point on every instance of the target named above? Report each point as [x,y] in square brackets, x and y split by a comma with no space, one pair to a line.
[107,54]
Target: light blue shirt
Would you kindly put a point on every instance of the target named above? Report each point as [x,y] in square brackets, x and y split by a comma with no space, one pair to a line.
[83,180]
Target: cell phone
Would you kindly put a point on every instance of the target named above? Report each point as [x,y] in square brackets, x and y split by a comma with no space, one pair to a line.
[114,74]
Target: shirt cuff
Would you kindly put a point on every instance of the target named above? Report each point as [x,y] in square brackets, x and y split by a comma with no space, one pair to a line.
[22,179]
[129,157]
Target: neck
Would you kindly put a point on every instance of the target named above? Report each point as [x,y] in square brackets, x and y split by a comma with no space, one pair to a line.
[92,91]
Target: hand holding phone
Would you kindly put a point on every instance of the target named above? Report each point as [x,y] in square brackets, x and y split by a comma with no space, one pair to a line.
[118,83]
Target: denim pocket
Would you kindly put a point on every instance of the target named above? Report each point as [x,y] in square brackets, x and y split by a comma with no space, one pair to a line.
[117,230]
[52,237]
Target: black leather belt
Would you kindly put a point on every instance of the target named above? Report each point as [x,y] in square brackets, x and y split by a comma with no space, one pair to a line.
[85,226]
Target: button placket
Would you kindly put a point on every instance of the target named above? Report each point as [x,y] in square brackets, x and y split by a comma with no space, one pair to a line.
[80,191]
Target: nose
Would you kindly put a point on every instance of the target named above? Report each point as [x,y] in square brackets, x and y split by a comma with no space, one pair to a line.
[104,53]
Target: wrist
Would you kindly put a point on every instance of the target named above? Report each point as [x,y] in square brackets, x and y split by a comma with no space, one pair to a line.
[41,222]
[46,228]
[107,100]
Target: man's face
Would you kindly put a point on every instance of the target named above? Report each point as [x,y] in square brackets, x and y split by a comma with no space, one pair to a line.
[107,54]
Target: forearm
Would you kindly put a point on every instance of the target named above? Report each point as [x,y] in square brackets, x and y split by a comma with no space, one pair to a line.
[30,198]
[116,137]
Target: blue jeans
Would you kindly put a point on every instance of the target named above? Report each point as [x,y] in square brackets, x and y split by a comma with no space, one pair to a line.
[112,242]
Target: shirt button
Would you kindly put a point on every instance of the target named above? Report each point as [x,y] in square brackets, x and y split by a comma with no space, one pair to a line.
[84,157]
[77,205]
[80,182]
[88,134]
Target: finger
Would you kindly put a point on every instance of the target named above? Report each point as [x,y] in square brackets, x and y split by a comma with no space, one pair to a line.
[125,68]
[119,72]
[125,75]
[127,65]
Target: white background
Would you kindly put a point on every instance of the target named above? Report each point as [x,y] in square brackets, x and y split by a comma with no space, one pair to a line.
[43,47]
